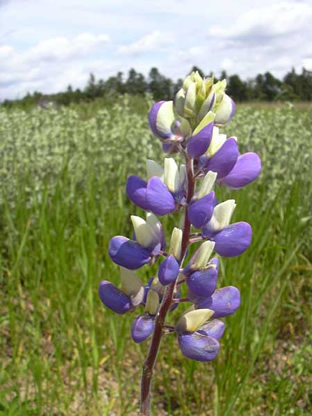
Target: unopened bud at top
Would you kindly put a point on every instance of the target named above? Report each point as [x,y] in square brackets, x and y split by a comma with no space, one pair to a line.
[200,95]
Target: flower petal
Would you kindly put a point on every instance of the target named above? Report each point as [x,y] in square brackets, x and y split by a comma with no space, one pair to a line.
[114,298]
[168,270]
[128,253]
[199,143]
[214,328]
[147,288]
[192,320]
[246,169]
[159,199]
[131,286]
[136,191]
[142,328]
[224,159]
[225,111]
[233,240]
[223,302]
[203,282]
[198,347]
[200,211]
[161,119]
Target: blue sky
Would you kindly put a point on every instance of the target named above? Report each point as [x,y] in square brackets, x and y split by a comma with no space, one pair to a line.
[46,45]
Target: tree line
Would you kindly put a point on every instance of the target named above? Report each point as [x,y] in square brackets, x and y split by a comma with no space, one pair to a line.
[264,87]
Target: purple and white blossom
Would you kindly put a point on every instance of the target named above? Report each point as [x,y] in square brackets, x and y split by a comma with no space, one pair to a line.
[189,125]
[164,190]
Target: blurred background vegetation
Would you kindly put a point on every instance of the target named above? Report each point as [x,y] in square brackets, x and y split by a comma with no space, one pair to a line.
[264,87]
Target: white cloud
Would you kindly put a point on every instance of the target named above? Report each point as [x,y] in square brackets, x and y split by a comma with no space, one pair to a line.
[49,65]
[155,41]
[62,48]
[227,64]
[6,52]
[277,19]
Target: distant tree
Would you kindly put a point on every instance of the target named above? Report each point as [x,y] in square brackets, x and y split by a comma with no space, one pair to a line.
[299,86]
[135,83]
[271,87]
[160,86]
[236,88]
[305,85]
[115,84]
[93,90]
[290,85]
[264,87]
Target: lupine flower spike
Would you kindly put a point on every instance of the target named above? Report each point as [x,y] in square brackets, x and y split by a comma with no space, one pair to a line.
[192,125]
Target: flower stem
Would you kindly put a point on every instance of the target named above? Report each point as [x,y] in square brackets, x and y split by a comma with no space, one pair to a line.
[149,363]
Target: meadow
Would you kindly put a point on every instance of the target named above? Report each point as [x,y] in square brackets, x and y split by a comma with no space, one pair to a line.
[62,197]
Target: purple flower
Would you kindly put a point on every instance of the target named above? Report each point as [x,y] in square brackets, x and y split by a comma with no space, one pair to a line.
[233,240]
[200,211]
[197,336]
[223,302]
[162,192]
[166,125]
[150,196]
[199,143]
[114,298]
[198,346]
[246,169]
[149,242]
[223,161]
[142,328]
[128,253]
[202,283]
[230,240]
[168,270]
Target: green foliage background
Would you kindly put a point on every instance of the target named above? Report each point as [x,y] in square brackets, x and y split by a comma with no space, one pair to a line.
[62,197]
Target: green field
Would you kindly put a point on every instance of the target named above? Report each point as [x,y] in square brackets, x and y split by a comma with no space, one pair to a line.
[62,197]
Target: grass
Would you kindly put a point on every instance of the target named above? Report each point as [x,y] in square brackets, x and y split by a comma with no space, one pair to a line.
[62,353]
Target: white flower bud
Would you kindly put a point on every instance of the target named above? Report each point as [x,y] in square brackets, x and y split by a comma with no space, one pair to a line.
[132,286]
[171,175]
[222,215]
[176,243]
[179,102]
[154,169]
[190,101]
[202,255]
[217,141]
[152,303]
[207,184]
[144,233]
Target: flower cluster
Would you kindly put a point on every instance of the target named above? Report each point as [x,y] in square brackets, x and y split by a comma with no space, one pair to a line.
[189,125]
